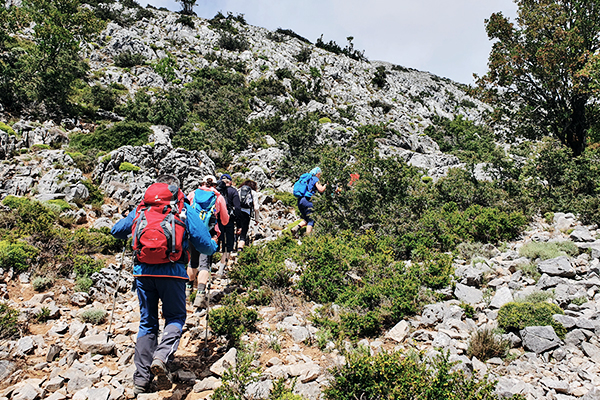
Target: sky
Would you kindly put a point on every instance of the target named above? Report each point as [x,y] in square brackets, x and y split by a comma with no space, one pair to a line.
[444,37]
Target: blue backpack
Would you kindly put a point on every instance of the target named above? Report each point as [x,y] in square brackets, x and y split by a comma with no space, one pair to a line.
[301,188]
[204,204]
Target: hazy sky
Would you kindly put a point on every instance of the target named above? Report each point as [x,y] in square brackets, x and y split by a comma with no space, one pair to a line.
[445,37]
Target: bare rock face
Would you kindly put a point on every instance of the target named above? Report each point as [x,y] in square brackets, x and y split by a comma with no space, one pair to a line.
[539,338]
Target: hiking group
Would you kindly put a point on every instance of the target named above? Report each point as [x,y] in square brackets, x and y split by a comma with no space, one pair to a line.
[174,237]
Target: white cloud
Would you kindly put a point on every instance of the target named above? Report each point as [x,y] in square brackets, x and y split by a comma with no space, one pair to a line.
[444,37]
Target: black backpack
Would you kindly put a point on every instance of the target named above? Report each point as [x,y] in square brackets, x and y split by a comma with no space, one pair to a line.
[246,200]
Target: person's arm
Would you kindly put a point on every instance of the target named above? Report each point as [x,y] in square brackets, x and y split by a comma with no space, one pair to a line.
[199,234]
[221,208]
[256,206]
[320,188]
[237,209]
[122,228]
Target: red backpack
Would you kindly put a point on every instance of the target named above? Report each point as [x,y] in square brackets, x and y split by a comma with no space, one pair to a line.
[158,229]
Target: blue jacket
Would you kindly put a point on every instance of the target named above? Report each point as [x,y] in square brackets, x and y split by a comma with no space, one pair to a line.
[196,231]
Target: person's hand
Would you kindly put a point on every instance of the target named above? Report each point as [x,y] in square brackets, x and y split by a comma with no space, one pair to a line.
[238,231]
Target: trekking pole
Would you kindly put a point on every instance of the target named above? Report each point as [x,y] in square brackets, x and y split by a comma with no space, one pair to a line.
[112,313]
[207,294]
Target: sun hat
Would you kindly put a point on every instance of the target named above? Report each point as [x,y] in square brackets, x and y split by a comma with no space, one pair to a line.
[315,171]
[209,178]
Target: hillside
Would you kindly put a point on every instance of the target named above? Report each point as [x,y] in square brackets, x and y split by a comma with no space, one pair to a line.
[443,257]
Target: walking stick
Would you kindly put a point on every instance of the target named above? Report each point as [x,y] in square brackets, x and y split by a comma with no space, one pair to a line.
[112,313]
[207,294]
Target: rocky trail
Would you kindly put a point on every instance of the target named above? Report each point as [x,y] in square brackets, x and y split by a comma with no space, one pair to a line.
[65,358]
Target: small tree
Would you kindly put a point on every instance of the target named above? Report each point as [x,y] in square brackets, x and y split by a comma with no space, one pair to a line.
[543,69]
[188,6]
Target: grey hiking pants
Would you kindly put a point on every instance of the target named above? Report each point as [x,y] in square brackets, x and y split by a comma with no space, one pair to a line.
[147,349]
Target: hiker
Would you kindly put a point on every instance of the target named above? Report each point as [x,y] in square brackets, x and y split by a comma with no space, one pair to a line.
[215,210]
[159,270]
[306,186]
[250,208]
[227,238]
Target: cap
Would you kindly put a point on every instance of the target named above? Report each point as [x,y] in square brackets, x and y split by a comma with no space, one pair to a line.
[209,178]
[226,176]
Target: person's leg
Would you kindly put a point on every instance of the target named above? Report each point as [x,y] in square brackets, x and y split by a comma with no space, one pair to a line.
[203,276]
[172,294]
[245,226]
[192,270]
[147,335]
[228,235]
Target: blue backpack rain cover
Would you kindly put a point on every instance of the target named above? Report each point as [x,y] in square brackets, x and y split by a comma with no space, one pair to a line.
[301,186]
[204,204]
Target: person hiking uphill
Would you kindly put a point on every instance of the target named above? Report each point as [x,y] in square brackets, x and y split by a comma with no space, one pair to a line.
[212,206]
[162,227]
[227,238]
[304,189]
[250,208]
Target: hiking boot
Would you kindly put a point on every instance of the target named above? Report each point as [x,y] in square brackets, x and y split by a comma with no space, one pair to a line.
[221,271]
[159,369]
[149,388]
[200,299]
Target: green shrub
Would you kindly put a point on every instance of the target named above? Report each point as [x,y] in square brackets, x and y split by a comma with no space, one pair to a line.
[287,198]
[126,166]
[579,300]
[515,316]
[93,316]
[485,344]
[233,319]
[537,297]
[83,284]
[9,325]
[31,216]
[468,309]
[264,265]
[325,120]
[7,129]
[236,379]
[231,42]
[60,203]
[96,197]
[386,108]
[380,77]
[463,138]
[18,255]
[530,270]
[38,147]
[304,55]
[403,377]
[282,73]
[40,283]
[548,250]
[43,315]
[84,266]
[166,67]
[126,133]
[186,20]
[291,33]
[164,107]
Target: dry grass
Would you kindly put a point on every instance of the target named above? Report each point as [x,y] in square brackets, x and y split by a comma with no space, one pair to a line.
[486,344]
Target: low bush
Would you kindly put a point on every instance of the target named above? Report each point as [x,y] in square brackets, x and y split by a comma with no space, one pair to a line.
[93,316]
[127,166]
[291,33]
[529,270]
[233,319]
[108,138]
[304,55]
[231,42]
[7,129]
[16,255]
[31,216]
[63,205]
[237,378]
[83,284]
[537,297]
[41,283]
[264,265]
[186,20]
[515,316]
[84,266]
[43,315]
[485,344]
[548,250]
[380,77]
[402,376]
[9,322]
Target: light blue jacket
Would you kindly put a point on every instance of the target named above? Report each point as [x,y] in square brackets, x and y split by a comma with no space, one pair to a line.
[196,232]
